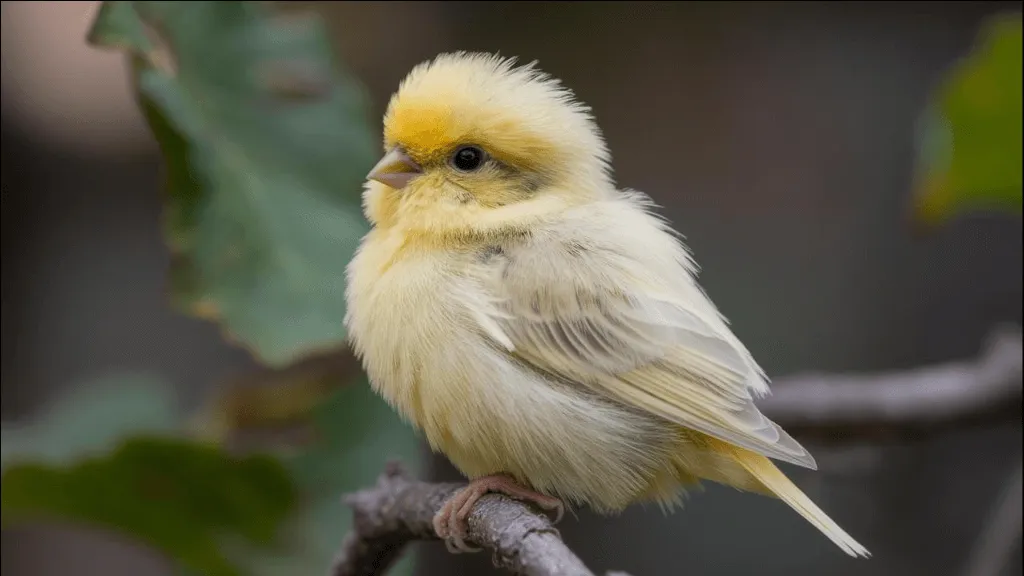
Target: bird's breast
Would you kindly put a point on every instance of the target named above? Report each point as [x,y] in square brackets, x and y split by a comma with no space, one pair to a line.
[401,315]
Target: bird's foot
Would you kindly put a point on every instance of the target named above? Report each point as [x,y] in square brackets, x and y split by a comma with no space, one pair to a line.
[450,522]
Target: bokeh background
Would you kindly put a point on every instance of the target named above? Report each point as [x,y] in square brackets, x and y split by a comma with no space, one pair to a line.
[779,137]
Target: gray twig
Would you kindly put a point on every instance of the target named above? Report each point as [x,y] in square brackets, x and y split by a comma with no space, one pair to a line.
[399,510]
[907,404]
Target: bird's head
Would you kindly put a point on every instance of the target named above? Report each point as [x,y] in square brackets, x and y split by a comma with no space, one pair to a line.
[471,137]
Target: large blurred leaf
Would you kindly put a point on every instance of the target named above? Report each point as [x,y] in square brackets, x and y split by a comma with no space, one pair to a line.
[970,146]
[266,148]
[101,466]
[266,145]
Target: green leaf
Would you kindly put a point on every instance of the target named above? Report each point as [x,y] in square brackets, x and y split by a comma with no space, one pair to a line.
[969,155]
[178,496]
[266,146]
[188,500]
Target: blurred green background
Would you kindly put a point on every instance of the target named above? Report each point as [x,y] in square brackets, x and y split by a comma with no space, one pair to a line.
[174,398]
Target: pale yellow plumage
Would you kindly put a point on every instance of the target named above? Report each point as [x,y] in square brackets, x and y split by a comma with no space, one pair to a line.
[534,320]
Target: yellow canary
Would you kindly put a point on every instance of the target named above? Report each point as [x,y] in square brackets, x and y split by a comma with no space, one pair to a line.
[543,328]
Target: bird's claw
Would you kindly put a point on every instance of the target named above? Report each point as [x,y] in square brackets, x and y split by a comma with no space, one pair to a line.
[451,521]
[448,527]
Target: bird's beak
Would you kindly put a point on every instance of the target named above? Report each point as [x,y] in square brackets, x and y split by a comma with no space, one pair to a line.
[395,169]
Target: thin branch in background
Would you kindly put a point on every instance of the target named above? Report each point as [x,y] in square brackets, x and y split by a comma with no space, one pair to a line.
[399,510]
[1002,533]
[911,403]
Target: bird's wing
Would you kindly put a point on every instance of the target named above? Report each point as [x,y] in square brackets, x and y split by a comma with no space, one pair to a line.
[605,327]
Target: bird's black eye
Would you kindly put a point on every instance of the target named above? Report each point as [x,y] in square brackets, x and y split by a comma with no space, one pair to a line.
[468,158]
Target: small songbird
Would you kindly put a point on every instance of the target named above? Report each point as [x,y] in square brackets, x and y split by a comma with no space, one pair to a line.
[542,328]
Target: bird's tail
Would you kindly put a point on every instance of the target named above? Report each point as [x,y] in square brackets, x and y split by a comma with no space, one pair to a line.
[775,482]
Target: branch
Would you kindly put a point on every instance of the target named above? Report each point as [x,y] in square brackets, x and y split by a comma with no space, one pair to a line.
[399,510]
[904,404]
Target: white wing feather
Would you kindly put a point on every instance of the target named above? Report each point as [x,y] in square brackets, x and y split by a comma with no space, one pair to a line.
[620,312]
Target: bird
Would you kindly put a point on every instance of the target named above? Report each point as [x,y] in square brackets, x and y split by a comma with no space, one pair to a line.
[538,325]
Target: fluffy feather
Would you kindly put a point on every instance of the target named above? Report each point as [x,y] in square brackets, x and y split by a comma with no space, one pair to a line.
[531,319]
